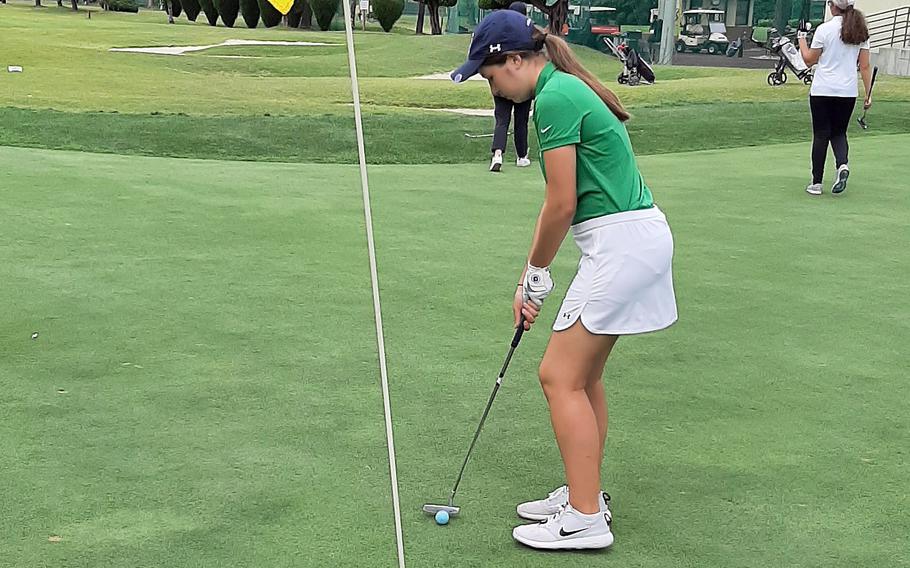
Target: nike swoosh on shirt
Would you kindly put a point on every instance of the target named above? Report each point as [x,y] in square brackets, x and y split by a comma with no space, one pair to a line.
[544,130]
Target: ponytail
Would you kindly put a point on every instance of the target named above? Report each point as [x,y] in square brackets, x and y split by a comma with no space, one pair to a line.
[854,30]
[560,54]
[562,57]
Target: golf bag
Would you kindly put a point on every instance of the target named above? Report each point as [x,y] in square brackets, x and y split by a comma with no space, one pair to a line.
[788,57]
[734,47]
[635,70]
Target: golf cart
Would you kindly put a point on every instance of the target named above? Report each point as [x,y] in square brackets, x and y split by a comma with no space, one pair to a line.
[703,30]
[591,25]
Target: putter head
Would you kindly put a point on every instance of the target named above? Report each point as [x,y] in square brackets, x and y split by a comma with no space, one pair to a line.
[862,122]
[433,509]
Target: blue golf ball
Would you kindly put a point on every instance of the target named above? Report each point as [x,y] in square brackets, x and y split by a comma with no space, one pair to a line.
[442,518]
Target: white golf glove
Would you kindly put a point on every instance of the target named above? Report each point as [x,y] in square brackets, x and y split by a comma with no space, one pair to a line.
[537,285]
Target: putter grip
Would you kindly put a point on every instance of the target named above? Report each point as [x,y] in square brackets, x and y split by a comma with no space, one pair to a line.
[519,331]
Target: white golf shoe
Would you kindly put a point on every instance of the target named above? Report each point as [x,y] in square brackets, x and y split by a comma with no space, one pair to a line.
[814,189]
[549,506]
[840,185]
[523,162]
[496,163]
[567,530]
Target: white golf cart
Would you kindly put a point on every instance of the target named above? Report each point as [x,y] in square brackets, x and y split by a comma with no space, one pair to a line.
[703,30]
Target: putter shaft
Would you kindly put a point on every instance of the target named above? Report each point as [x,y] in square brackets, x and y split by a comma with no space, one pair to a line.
[515,340]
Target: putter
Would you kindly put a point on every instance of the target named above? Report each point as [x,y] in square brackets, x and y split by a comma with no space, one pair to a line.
[862,120]
[451,509]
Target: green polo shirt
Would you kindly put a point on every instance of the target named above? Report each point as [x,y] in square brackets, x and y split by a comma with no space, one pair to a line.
[567,112]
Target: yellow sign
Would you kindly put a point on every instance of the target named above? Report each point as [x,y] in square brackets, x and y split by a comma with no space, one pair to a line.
[283,6]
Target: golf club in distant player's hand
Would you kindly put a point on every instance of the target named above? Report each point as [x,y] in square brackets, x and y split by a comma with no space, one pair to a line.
[862,120]
[451,510]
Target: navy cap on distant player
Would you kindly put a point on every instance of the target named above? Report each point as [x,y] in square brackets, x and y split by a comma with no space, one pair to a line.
[501,31]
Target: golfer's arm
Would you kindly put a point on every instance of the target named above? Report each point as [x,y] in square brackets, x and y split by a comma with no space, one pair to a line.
[810,56]
[865,70]
[558,206]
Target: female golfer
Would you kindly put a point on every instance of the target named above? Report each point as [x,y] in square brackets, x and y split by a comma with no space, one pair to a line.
[624,283]
[837,46]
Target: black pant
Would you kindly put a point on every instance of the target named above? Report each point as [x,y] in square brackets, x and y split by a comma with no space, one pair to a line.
[830,118]
[503,113]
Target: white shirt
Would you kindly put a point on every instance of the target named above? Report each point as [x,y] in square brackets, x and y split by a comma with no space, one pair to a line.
[835,75]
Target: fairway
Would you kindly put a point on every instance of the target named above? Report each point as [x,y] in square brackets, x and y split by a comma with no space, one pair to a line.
[188,352]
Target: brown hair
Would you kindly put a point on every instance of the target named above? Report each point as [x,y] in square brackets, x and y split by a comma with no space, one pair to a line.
[854,30]
[560,54]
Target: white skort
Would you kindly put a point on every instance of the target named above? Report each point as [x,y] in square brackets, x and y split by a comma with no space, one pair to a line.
[624,283]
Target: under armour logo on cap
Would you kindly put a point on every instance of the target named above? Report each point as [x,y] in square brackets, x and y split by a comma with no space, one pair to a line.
[503,31]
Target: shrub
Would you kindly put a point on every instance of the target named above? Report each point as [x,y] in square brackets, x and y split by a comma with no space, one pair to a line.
[325,11]
[228,10]
[271,17]
[250,11]
[387,12]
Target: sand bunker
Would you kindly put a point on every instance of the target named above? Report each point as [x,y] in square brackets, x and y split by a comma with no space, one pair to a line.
[180,50]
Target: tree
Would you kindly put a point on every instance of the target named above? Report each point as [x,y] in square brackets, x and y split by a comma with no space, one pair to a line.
[325,11]
[763,10]
[782,9]
[388,12]
[306,17]
[228,9]
[211,13]
[420,10]
[250,11]
[557,11]
[630,12]
[191,9]
[432,7]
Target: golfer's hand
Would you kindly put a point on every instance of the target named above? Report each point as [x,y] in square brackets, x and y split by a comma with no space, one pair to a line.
[537,284]
[867,104]
[528,309]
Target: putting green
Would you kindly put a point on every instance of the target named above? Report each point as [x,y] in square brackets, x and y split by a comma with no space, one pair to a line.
[210,325]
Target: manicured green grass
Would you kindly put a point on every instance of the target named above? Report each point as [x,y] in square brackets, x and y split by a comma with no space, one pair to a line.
[396,136]
[201,391]
[204,391]
[307,80]
[292,103]
[211,325]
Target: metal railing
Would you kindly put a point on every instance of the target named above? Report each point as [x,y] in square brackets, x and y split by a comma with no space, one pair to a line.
[890,28]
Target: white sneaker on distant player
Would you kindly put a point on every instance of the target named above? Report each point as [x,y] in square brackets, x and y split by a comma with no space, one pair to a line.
[523,162]
[545,508]
[567,529]
[496,163]
[840,185]
[814,189]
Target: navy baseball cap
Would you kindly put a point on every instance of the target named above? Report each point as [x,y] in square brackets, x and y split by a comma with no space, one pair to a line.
[500,32]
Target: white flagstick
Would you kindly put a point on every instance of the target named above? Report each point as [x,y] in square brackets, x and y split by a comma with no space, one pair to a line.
[365,186]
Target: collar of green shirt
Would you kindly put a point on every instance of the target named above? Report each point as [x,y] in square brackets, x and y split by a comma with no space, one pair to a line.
[545,74]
